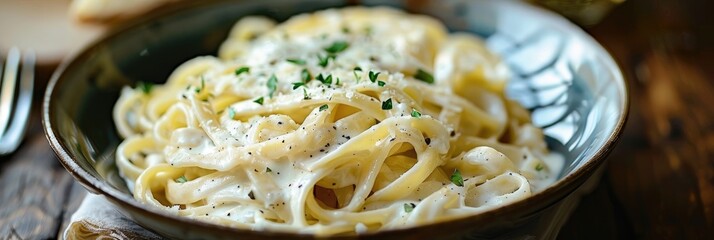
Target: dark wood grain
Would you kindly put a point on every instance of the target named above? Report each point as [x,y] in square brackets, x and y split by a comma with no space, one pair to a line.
[33,193]
[660,179]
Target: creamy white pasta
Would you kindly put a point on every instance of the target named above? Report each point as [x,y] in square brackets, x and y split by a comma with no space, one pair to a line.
[336,122]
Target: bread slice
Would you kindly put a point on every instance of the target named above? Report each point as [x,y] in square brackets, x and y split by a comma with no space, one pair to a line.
[105,10]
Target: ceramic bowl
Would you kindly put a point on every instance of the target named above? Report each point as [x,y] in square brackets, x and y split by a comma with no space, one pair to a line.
[571,85]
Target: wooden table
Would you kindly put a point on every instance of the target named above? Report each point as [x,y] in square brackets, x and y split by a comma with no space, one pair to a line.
[659,182]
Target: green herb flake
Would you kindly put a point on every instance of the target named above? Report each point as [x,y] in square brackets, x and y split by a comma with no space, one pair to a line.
[203,85]
[416,113]
[373,76]
[323,107]
[296,61]
[320,78]
[242,70]
[305,96]
[305,75]
[539,167]
[323,61]
[337,47]
[381,83]
[296,85]
[267,169]
[345,29]
[231,113]
[145,87]
[325,80]
[272,85]
[181,179]
[259,100]
[386,105]
[408,207]
[338,82]
[357,75]
[424,76]
[457,179]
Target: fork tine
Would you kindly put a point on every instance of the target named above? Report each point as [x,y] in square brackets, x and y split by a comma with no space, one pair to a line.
[21,116]
[7,93]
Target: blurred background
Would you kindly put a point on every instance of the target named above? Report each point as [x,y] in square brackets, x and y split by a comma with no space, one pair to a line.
[659,182]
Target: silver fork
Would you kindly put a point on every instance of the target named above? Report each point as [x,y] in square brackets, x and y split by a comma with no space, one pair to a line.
[15,111]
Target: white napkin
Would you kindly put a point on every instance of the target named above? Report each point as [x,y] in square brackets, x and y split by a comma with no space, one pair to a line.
[97,218]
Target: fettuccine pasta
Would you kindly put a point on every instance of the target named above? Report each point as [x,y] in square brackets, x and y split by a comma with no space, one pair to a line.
[342,121]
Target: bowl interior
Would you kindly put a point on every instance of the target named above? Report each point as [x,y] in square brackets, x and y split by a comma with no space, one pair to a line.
[570,84]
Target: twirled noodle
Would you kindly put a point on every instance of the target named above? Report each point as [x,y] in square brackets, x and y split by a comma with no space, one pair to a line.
[331,123]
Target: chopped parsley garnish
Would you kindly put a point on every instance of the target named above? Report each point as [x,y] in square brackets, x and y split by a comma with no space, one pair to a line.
[203,84]
[345,29]
[416,113]
[145,87]
[325,80]
[373,76]
[424,76]
[231,112]
[259,101]
[323,61]
[381,83]
[457,179]
[408,207]
[296,85]
[539,167]
[267,169]
[272,84]
[337,47]
[251,195]
[296,61]
[386,105]
[323,107]
[338,82]
[181,179]
[357,75]
[305,75]
[241,70]
[305,96]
